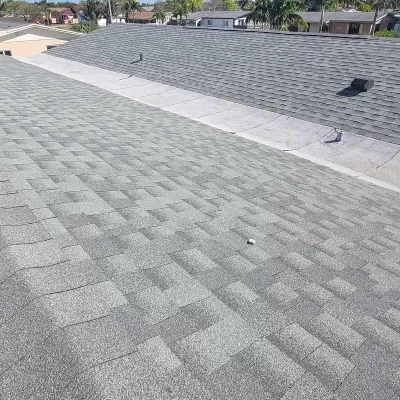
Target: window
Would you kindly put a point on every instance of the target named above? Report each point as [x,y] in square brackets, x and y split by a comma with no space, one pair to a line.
[226,24]
[5,52]
[209,22]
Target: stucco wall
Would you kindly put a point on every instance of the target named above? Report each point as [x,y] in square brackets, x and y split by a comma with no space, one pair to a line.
[314,27]
[385,21]
[365,28]
[216,22]
[29,48]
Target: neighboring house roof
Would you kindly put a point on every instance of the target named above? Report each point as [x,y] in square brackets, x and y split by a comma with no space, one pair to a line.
[10,19]
[143,15]
[7,23]
[68,10]
[57,9]
[78,7]
[216,15]
[32,30]
[299,75]
[124,265]
[149,8]
[341,16]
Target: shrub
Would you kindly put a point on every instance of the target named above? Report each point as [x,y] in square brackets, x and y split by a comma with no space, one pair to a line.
[83,28]
[386,33]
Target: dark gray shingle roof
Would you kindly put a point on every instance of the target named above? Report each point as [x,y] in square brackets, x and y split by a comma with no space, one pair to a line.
[124,268]
[297,75]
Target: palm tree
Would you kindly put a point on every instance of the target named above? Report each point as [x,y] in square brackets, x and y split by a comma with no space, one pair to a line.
[259,15]
[179,9]
[379,5]
[276,14]
[130,5]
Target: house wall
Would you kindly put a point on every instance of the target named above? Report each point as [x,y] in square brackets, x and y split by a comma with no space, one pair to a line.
[22,49]
[144,21]
[314,27]
[339,27]
[365,28]
[216,22]
[385,21]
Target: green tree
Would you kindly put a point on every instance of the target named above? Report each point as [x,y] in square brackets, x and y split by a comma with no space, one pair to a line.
[364,7]
[379,5]
[195,5]
[179,8]
[160,15]
[3,8]
[129,6]
[93,10]
[221,5]
[276,14]
[246,5]
[24,10]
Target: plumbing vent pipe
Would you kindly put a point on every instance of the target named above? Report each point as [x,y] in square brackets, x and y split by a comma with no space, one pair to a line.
[362,84]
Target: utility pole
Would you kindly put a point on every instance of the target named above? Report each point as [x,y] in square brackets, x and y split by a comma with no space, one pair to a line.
[321,21]
[109,7]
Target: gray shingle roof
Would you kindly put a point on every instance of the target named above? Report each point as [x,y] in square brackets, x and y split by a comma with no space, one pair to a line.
[341,16]
[125,272]
[302,76]
[11,23]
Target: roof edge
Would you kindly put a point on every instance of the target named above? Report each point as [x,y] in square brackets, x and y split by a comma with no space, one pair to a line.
[271,32]
[24,27]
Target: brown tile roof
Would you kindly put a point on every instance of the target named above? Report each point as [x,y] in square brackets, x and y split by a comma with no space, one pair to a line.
[58,9]
[145,15]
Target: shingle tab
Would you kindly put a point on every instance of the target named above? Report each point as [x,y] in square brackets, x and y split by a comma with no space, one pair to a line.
[125,268]
[300,75]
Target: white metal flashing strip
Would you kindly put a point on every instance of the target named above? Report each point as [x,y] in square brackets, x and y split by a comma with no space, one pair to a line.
[362,157]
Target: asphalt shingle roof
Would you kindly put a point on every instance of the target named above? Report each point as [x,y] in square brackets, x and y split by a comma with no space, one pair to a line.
[11,23]
[125,271]
[301,76]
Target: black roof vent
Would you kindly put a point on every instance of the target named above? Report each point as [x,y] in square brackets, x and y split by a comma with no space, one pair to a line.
[362,83]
